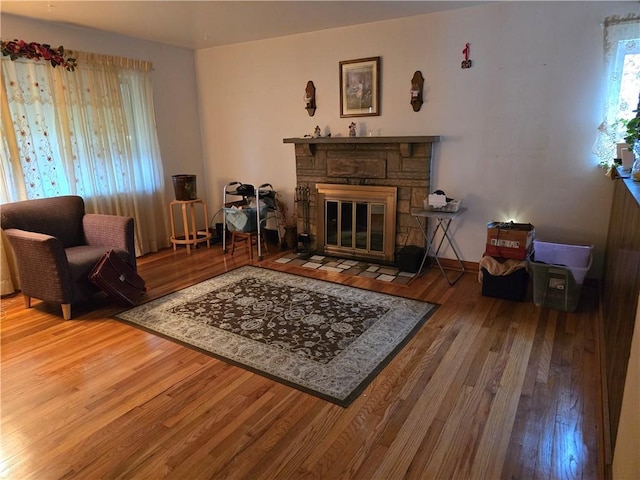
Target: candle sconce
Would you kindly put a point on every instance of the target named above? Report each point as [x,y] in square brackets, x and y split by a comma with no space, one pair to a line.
[417,84]
[310,98]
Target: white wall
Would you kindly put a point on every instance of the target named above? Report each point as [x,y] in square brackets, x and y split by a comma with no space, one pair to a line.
[517,127]
[173,79]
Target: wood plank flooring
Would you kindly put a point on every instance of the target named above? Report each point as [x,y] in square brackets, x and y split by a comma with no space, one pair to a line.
[487,389]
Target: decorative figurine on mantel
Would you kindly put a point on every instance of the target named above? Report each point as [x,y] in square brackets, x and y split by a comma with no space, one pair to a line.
[317,132]
[466,63]
[352,129]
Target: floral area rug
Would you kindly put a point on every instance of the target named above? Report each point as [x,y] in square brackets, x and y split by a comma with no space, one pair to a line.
[326,339]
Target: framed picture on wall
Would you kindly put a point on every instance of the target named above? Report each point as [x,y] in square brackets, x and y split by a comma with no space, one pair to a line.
[360,87]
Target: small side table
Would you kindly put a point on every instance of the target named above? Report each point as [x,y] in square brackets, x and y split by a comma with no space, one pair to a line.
[443,221]
[191,235]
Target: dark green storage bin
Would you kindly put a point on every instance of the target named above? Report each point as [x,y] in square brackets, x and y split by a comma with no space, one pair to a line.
[555,287]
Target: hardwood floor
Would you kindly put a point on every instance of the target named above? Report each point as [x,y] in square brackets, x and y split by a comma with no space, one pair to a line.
[487,389]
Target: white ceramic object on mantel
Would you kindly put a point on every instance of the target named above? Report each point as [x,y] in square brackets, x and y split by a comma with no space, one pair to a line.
[625,154]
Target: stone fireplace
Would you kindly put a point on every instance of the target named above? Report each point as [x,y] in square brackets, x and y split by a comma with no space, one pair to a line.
[400,164]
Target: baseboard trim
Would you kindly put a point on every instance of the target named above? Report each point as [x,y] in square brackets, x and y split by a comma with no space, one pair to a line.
[452,263]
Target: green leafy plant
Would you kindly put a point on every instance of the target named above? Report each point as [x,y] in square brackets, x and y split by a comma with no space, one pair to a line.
[631,135]
[632,131]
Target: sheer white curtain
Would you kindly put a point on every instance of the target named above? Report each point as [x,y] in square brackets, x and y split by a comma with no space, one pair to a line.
[622,63]
[90,132]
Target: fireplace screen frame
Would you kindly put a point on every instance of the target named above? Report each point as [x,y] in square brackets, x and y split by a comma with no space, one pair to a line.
[358,194]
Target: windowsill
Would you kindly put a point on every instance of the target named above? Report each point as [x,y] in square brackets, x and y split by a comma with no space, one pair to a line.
[633,187]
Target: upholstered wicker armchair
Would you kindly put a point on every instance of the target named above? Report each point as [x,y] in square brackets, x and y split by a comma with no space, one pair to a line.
[56,245]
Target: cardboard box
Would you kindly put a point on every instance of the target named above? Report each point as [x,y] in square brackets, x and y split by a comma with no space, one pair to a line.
[510,240]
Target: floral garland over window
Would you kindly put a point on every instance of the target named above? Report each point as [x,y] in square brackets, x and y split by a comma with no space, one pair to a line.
[37,51]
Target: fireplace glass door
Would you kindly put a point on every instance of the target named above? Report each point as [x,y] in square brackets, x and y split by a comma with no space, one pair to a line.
[355,226]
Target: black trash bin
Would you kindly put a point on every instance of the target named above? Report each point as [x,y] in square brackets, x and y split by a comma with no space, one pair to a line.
[409,258]
[184,187]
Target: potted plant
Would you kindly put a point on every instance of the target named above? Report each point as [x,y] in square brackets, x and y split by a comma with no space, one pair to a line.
[632,133]
[632,138]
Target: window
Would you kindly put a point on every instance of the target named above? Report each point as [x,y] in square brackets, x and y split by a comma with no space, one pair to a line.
[622,62]
[89,132]
[627,62]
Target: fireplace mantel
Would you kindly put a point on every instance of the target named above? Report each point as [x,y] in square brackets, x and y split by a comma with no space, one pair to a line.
[405,142]
[403,162]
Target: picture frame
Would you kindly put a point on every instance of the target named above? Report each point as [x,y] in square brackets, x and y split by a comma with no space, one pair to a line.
[360,87]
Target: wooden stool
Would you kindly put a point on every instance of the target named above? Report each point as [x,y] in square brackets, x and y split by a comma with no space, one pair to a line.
[192,236]
[248,239]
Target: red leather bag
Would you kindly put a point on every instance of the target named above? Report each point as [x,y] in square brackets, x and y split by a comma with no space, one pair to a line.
[118,280]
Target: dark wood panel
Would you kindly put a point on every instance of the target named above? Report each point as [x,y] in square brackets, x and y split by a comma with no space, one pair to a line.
[620,288]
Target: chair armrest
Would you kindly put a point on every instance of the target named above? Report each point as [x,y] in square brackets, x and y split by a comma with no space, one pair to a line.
[113,231]
[42,265]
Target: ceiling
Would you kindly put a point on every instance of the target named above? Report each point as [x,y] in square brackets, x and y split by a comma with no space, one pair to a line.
[202,24]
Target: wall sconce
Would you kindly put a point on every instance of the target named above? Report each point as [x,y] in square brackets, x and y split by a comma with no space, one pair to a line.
[310,98]
[417,83]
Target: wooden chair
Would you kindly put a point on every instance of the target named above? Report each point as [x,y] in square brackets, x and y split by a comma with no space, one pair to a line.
[249,239]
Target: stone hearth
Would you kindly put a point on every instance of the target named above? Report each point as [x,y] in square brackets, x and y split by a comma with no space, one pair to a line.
[402,162]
